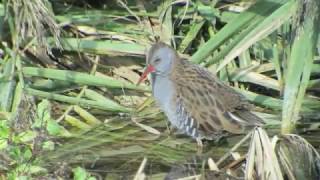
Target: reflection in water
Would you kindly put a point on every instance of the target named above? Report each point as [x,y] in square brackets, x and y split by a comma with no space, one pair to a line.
[196,168]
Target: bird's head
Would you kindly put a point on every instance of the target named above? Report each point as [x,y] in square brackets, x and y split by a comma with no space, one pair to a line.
[160,60]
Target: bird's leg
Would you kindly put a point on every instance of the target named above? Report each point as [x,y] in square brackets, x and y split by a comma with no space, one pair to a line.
[199,146]
[199,142]
[170,129]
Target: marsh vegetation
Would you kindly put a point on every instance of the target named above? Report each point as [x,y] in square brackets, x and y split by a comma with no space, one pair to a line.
[70,107]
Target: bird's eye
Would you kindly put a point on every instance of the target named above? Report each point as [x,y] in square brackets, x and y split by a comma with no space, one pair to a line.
[157,60]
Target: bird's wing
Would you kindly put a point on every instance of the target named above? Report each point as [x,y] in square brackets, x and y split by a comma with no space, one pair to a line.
[213,105]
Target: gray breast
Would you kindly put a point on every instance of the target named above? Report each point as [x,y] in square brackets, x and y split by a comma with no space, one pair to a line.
[163,91]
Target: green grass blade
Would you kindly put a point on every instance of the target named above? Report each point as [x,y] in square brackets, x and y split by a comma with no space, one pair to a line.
[261,30]
[256,78]
[276,64]
[77,123]
[80,78]
[100,47]
[93,95]
[192,33]
[76,101]
[7,85]
[262,7]
[87,116]
[300,66]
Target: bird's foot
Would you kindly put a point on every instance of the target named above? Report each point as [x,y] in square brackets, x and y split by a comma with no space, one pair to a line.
[219,137]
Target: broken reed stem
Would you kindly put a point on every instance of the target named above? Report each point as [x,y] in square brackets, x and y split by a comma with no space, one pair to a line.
[140,175]
[236,146]
[83,89]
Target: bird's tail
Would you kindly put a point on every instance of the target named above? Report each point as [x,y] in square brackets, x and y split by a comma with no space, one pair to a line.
[242,121]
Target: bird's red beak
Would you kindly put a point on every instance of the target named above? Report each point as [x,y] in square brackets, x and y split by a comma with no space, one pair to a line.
[148,70]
